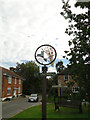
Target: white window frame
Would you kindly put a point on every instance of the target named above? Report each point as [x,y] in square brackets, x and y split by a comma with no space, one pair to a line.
[9,89]
[19,90]
[19,81]
[66,79]
[9,80]
[15,81]
[74,89]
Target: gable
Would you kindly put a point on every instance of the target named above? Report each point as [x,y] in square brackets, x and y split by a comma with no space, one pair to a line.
[10,73]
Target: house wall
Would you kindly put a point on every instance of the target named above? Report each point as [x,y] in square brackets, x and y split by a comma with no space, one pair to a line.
[6,85]
[61,81]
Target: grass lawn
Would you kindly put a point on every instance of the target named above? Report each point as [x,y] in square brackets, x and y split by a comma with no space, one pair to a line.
[64,112]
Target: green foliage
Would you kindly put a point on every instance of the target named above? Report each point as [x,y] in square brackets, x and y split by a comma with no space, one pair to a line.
[71,83]
[80,96]
[76,96]
[50,82]
[67,93]
[50,99]
[29,71]
[79,54]
[59,66]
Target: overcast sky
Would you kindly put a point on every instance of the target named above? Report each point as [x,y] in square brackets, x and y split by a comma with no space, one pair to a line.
[27,24]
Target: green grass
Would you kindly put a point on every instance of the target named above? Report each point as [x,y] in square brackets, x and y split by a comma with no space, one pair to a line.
[35,112]
[50,99]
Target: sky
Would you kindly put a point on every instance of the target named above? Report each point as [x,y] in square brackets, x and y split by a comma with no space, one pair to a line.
[27,24]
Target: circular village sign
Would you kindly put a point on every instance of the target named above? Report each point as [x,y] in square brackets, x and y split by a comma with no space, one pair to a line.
[45,55]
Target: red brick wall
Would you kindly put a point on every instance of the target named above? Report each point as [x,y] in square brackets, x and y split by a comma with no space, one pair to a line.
[19,85]
[61,81]
[6,85]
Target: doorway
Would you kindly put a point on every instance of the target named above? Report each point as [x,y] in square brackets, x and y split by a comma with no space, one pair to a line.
[14,92]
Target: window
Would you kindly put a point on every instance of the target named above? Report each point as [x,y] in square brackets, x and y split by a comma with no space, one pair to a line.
[75,89]
[15,81]
[19,81]
[8,91]
[19,90]
[66,77]
[9,80]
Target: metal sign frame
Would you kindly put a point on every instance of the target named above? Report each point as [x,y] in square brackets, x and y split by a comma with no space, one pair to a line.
[47,45]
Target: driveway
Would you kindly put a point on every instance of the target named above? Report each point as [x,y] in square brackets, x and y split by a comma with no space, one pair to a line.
[13,107]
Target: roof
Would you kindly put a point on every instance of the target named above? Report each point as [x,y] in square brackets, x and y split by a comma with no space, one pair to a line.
[66,71]
[10,73]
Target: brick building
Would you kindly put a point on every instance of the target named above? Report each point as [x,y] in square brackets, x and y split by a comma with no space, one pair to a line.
[63,78]
[11,83]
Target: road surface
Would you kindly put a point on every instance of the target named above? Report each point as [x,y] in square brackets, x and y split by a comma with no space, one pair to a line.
[13,107]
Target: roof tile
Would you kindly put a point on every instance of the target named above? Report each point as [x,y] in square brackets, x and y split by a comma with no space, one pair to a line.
[10,73]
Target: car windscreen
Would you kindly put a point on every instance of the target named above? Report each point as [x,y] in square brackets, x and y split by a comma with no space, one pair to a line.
[33,95]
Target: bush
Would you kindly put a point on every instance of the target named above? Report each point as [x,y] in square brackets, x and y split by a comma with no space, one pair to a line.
[50,99]
[78,96]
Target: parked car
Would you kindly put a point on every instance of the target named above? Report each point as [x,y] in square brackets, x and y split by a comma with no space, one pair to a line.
[33,98]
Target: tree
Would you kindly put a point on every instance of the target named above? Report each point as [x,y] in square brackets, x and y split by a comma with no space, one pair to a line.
[50,82]
[59,66]
[79,54]
[29,71]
